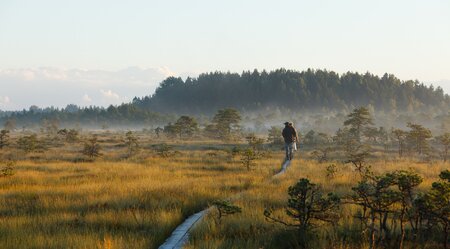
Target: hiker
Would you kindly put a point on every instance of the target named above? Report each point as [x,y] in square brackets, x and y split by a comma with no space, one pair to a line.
[290,138]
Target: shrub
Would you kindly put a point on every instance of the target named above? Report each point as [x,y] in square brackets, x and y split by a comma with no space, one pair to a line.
[331,171]
[4,138]
[225,208]
[307,206]
[164,150]
[437,204]
[248,158]
[92,148]
[8,169]
[28,143]
[131,142]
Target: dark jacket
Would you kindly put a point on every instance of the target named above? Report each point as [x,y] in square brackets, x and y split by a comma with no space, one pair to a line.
[289,134]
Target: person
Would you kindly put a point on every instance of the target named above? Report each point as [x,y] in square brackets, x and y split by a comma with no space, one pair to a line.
[290,138]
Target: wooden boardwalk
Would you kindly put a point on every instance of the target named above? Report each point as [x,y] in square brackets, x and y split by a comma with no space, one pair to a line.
[181,234]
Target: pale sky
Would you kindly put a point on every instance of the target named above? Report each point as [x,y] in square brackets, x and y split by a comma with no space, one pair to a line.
[110,51]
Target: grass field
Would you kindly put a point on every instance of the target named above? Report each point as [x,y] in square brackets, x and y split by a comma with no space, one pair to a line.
[57,199]
[250,229]
[128,203]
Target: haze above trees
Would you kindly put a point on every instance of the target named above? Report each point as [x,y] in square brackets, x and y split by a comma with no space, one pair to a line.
[268,96]
[293,90]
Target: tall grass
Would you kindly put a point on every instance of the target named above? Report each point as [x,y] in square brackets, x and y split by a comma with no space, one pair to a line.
[59,199]
[250,229]
[52,202]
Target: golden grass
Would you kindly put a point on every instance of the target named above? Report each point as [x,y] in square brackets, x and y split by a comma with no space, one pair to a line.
[250,229]
[50,203]
[53,201]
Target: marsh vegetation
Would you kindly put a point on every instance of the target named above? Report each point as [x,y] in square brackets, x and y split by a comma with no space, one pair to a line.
[365,187]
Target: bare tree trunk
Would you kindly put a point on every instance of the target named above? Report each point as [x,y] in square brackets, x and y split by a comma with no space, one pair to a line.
[445,235]
[385,226]
[372,232]
[445,153]
[402,230]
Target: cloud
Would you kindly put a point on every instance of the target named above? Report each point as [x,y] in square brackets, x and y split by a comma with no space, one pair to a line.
[110,94]
[4,101]
[130,75]
[49,86]
[166,71]
[86,99]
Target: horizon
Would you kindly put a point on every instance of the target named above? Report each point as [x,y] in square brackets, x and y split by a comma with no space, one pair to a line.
[58,53]
[119,80]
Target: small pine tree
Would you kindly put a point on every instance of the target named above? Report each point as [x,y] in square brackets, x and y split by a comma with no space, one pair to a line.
[8,169]
[358,121]
[248,158]
[418,137]
[226,122]
[306,206]
[186,126]
[444,140]
[158,131]
[132,144]
[28,143]
[254,142]
[400,136]
[92,147]
[406,181]
[4,138]
[225,208]
[437,203]
[164,150]
[274,136]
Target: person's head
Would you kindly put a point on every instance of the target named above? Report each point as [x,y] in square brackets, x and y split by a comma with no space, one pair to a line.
[291,124]
[286,123]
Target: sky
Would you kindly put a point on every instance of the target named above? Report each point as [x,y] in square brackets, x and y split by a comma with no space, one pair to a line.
[58,52]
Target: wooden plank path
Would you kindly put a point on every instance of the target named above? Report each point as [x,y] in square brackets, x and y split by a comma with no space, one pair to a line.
[181,234]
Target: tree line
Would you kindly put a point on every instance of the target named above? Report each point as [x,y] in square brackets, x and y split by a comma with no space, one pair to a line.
[292,90]
[279,90]
[122,115]
[358,132]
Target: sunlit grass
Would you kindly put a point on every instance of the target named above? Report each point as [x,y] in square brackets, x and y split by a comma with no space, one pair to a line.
[250,229]
[58,199]
[51,203]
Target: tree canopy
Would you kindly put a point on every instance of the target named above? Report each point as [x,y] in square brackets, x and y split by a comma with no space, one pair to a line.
[294,90]
[279,90]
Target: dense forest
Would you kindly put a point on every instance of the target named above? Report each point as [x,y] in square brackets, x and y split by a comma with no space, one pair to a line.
[292,90]
[91,117]
[265,95]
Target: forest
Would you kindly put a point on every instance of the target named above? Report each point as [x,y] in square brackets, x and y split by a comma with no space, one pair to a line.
[262,96]
[292,90]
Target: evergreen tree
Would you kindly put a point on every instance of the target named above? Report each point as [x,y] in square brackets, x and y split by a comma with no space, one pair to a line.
[400,136]
[418,137]
[131,142]
[358,120]
[4,138]
[275,136]
[226,122]
[444,140]
[92,147]
[186,126]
